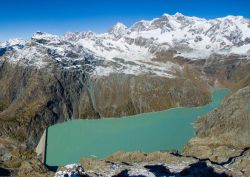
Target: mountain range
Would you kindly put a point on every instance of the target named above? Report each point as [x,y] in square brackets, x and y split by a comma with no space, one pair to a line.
[132,50]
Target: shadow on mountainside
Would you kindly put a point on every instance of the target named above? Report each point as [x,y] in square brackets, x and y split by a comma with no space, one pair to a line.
[199,169]
[52,168]
[124,173]
[4,172]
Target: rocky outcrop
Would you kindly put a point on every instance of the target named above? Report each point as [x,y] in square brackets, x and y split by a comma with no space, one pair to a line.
[16,160]
[224,132]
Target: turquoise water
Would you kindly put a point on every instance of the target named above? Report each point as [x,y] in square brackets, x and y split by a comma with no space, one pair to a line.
[165,130]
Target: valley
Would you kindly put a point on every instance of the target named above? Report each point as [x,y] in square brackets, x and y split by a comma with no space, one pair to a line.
[162,74]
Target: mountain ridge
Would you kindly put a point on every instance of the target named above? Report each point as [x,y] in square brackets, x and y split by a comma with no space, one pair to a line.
[168,23]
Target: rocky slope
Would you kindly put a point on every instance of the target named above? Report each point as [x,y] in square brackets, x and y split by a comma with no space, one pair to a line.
[224,130]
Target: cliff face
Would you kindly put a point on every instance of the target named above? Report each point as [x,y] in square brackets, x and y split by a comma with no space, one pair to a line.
[231,71]
[33,99]
[122,95]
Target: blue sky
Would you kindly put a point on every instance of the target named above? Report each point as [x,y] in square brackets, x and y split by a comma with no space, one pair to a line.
[21,18]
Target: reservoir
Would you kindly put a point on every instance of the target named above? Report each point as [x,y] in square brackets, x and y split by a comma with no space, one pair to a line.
[165,130]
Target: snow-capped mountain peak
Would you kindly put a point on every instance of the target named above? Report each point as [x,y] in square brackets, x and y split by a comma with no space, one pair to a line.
[12,42]
[178,14]
[118,30]
[43,37]
[11,45]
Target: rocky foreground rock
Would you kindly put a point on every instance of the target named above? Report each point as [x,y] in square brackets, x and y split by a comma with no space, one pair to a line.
[157,164]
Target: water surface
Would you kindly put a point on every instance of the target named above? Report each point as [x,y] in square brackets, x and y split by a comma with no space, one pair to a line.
[165,130]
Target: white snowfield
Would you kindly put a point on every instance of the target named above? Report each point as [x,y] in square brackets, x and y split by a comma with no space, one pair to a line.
[131,50]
